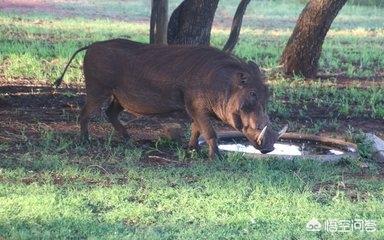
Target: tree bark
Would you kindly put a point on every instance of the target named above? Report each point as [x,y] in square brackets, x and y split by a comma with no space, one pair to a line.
[236,26]
[191,22]
[158,23]
[302,52]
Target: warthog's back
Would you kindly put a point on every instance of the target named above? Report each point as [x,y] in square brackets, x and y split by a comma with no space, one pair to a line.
[150,79]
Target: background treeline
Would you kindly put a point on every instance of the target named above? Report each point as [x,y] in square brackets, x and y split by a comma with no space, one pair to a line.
[377,3]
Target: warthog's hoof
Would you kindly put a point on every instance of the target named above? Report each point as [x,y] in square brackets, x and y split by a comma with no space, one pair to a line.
[193,147]
[215,155]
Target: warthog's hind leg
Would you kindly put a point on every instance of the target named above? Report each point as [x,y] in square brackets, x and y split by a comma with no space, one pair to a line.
[195,133]
[113,112]
[91,105]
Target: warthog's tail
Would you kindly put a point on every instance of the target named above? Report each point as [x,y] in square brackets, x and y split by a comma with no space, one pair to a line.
[60,79]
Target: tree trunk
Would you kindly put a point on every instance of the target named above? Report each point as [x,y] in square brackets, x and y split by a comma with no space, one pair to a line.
[236,26]
[191,22]
[158,24]
[302,52]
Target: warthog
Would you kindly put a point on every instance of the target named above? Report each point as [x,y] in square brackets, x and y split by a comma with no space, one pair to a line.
[152,79]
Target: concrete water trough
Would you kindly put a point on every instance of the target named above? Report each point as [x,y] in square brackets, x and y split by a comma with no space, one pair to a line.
[299,146]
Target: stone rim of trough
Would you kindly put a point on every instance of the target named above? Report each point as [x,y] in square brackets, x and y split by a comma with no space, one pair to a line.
[377,147]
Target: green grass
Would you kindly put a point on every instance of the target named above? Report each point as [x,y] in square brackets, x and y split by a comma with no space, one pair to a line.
[53,187]
[56,188]
[322,99]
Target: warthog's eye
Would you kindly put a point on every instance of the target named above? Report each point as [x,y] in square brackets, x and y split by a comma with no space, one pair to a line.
[252,93]
[243,81]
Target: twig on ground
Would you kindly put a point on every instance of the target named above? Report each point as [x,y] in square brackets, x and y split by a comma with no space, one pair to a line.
[101,168]
[164,159]
[125,123]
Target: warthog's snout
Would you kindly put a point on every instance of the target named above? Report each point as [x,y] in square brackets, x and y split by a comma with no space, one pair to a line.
[265,139]
[265,151]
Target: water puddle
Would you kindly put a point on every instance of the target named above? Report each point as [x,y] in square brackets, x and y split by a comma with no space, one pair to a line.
[283,147]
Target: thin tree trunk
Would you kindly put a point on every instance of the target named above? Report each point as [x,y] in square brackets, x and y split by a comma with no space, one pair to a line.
[302,52]
[191,22]
[236,26]
[158,23]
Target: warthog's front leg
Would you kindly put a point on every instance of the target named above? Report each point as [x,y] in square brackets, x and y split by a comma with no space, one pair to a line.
[209,134]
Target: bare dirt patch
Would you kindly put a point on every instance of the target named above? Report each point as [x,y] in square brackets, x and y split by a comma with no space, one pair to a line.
[342,81]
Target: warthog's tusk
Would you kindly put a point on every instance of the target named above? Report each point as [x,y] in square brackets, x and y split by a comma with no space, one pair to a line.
[261,135]
[282,131]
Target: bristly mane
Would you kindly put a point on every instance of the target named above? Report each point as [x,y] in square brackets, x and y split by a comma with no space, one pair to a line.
[184,61]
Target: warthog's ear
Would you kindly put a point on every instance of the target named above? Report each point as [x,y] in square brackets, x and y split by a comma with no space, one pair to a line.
[254,66]
[255,69]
